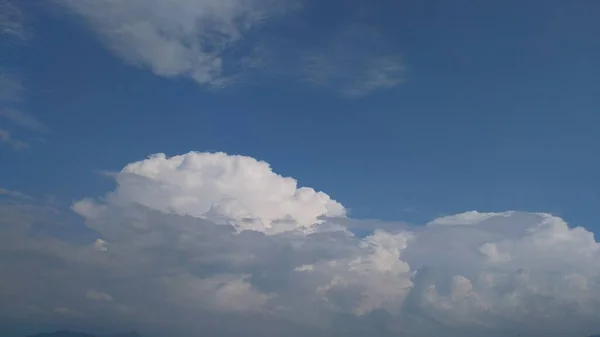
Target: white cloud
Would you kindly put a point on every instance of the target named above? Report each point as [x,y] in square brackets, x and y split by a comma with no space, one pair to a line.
[177,267]
[236,190]
[98,295]
[14,194]
[219,42]
[375,278]
[466,218]
[305,267]
[180,37]
[100,245]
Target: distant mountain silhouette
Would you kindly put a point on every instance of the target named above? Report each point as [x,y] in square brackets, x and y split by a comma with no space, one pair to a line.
[66,333]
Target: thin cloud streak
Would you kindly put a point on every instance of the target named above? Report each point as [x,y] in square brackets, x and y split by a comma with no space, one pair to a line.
[24,120]
[11,20]
[7,138]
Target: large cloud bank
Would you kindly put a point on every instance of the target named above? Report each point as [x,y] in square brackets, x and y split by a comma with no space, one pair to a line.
[207,243]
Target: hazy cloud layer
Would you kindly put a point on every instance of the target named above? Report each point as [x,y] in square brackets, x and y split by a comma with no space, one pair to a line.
[212,242]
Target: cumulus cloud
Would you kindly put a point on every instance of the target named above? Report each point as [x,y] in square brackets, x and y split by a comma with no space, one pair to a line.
[237,190]
[216,242]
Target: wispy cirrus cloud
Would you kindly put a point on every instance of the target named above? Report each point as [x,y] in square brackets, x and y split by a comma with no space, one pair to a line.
[14,194]
[11,20]
[20,120]
[185,38]
[11,29]
[354,60]
[219,43]
[7,138]
[24,120]
[12,89]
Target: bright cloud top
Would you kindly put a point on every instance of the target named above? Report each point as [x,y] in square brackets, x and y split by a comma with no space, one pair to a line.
[238,190]
[204,240]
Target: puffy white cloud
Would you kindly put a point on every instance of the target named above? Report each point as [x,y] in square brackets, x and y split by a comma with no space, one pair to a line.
[236,190]
[174,260]
[374,278]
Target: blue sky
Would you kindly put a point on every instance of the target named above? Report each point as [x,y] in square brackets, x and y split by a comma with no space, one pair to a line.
[401,112]
[497,110]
